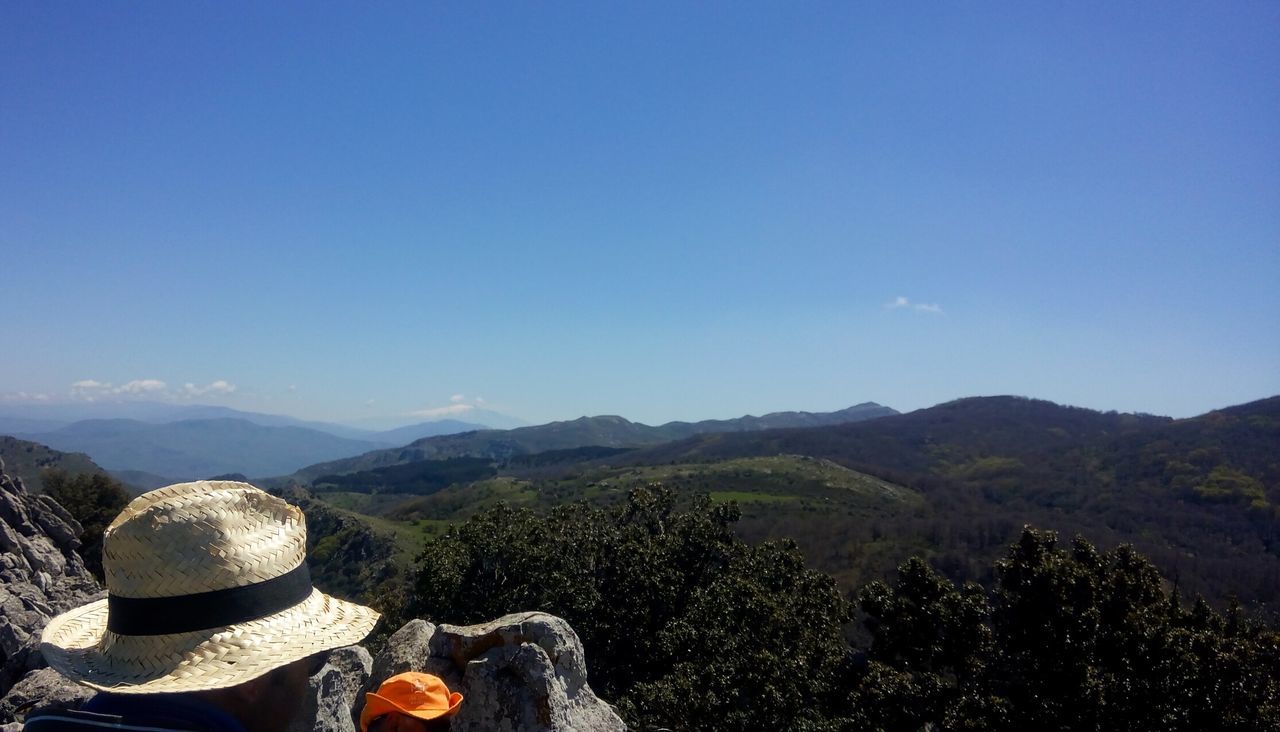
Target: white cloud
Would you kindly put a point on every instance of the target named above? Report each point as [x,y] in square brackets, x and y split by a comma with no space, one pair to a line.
[92,389]
[141,386]
[293,387]
[458,398]
[920,307]
[24,396]
[451,410]
[219,387]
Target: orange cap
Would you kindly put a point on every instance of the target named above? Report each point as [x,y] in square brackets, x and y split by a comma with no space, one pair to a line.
[416,694]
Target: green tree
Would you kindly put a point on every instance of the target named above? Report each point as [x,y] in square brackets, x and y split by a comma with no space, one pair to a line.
[930,652]
[685,626]
[1071,639]
[94,499]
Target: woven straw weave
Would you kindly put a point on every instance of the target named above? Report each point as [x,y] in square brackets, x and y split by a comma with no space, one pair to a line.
[191,538]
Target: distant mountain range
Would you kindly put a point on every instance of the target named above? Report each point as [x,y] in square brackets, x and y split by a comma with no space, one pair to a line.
[153,449]
[149,444]
[38,418]
[601,431]
[147,455]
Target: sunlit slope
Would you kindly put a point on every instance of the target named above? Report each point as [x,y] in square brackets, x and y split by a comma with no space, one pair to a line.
[601,431]
[25,460]
[815,502]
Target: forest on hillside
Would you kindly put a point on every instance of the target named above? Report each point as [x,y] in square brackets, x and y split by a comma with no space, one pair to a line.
[954,484]
[687,627]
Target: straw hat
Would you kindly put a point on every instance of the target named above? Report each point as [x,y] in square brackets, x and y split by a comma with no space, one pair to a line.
[412,693]
[207,588]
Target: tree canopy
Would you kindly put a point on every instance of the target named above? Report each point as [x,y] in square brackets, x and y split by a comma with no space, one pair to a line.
[93,499]
[687,627]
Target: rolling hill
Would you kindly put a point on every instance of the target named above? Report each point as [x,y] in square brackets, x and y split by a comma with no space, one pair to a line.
[25,460]
[601,431]
[1199,496]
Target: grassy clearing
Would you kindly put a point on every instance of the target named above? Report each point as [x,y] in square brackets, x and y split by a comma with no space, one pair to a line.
[745,497]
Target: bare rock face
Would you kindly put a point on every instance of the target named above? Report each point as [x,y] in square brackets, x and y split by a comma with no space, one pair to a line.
[406,650]
[40,577]
[333,691]
[523,672]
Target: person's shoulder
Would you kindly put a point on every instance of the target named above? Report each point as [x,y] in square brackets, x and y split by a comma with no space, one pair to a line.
[69,721]
[136,713]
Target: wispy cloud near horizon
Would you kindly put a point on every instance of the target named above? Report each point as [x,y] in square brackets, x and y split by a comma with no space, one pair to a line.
[458,404]
[450,410]
[904,303]
[91,389]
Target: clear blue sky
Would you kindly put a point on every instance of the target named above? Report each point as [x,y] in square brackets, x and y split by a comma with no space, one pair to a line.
[659,210]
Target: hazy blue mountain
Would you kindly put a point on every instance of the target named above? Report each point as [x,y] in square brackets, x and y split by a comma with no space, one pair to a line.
[604,431]
[25,459]
[191,449]
[140,481]
[409,433]
[33,418]
[11,425]
[478,418]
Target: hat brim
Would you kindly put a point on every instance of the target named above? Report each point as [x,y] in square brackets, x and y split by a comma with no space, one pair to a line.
[78,645]
[376,705]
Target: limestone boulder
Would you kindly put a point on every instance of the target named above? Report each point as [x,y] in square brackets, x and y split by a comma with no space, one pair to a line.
[522,672]
[333,691]
[40,576]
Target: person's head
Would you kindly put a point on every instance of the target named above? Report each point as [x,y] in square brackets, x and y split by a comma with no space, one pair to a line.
[208,594]
[410,702]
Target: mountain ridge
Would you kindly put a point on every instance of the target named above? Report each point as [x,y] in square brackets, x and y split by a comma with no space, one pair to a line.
[601,430]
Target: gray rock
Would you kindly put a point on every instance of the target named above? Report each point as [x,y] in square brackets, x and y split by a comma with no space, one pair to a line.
[63,534]
[12,637]
[406,650]
[333,691]
[40,576]
[13,511]
[56,509]
[11,541]
[43,690]
[523,672]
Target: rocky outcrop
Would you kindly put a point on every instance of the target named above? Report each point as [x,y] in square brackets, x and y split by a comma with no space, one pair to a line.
[335,688]
[40,576]
[43,689]
[523,672]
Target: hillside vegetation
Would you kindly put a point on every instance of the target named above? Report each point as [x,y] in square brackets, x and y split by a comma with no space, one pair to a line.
[955,484]
[28,460]
[604,431]
[1200,496]
[690,628]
